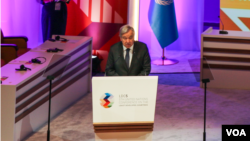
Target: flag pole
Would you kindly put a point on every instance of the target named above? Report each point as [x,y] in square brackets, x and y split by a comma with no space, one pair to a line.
[164,61]
[163,56]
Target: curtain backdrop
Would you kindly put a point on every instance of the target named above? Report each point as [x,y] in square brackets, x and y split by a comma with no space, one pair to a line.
[22,17]
[189,16]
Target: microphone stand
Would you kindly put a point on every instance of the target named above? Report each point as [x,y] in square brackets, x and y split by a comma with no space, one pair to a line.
[50,78]
[205,81]
[222,31]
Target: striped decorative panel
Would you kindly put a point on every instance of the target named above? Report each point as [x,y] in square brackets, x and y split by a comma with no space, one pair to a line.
[226,53]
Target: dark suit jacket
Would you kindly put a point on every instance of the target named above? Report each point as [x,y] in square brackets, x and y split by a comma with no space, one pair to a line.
[140,64]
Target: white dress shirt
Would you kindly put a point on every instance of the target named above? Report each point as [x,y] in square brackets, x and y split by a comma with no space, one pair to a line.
[130,53]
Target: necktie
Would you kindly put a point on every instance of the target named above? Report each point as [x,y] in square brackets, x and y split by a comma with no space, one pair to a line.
[127,57]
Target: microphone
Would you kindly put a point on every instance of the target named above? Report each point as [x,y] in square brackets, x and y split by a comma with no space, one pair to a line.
[23,68]
[58,38]
[112,64]
[37,61]
[54,50]
[222,31]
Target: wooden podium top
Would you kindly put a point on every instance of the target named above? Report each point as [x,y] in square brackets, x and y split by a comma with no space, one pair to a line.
[16,78]
[210,32]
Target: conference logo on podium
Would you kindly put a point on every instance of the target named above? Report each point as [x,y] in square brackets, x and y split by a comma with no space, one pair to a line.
[164,2]
[107,100]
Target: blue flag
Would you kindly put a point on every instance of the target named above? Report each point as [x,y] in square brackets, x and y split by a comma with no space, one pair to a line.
[162,20]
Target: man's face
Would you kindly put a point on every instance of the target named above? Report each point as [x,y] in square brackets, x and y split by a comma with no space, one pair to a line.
[128,39]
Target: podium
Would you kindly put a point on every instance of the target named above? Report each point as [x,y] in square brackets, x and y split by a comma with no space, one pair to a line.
[124,103]
[228,58]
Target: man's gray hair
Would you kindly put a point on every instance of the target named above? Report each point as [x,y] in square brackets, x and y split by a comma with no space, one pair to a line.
[124,29]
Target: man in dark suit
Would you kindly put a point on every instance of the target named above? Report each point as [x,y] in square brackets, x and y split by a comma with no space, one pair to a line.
[128,57]
[54,18]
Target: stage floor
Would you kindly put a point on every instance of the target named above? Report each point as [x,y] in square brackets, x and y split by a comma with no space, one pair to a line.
[178,117]
[189,61]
